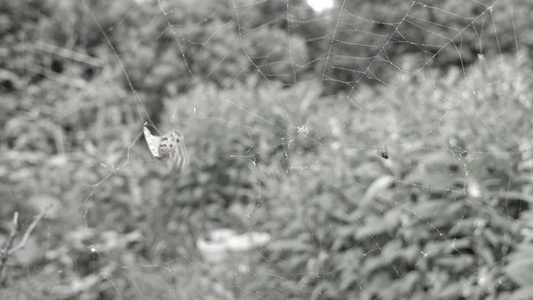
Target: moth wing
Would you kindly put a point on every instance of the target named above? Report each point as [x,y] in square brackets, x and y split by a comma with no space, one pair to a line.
[178,158]
[173,149]
[169,142]
[153,142]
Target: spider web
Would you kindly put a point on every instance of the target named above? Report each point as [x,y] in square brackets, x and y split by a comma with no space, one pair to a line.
[286,114]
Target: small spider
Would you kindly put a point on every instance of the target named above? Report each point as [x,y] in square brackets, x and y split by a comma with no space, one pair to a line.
[383,153]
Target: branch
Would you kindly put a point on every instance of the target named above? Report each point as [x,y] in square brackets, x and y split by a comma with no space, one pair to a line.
[67,53]
[4,254]
[28,231]
[6,251]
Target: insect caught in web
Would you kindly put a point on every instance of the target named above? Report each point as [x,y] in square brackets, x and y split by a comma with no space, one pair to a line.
[383,152]
[169,147]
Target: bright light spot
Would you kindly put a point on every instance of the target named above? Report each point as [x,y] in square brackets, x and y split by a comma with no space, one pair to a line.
[320,5]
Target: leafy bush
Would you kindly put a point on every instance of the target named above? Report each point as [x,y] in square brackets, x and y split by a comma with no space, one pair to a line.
[439,219]
[430,224]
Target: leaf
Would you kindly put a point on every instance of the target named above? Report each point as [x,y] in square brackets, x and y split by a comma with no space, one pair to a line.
[521,270]
[429,209]
[462,227]
[492,237]
[451,291]
[456,263]
[436,181]
[378,186]
[515,195]
[322,289]
[487,255]
[524,293]
[381,286]
[373,226]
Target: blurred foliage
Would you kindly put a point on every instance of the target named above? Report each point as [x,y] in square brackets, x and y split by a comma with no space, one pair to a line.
[446,217]
[439,219]
[373,38]
[225,43]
